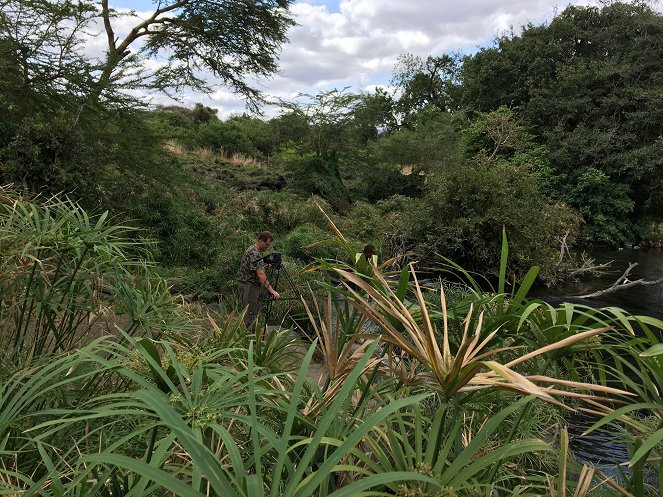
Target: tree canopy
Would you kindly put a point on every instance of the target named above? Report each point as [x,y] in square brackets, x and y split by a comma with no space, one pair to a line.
[191,43]
[588,84]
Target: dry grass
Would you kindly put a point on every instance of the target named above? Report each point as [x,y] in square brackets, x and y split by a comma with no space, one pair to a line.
[173,147]
[204,154]
[237,159]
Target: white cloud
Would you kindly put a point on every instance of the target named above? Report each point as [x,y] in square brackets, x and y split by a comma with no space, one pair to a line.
[358,44]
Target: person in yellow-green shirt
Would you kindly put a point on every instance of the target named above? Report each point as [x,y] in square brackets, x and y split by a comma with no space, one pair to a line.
[369,255]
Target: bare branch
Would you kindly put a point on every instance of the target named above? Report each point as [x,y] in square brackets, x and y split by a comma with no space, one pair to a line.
[623,283]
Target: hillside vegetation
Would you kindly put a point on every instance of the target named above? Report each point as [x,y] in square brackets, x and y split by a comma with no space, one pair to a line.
[553,133]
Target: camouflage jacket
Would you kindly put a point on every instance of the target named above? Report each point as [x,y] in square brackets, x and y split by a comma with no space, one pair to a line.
[250,262]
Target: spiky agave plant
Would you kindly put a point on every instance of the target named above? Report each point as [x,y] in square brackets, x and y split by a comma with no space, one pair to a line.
[473,363]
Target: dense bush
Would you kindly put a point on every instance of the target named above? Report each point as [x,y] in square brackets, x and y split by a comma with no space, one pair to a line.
[304,243]
[372,179]
[226,136]
[319,176]
[50,154]
[465,206]
[185,235]
[605,206]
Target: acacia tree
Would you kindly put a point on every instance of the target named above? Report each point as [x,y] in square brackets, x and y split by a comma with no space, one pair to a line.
[431,82]
[188,40]
[232,39]
[41,63]
[328,115]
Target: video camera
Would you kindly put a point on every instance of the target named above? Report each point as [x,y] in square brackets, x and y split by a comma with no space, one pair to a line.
[274,259]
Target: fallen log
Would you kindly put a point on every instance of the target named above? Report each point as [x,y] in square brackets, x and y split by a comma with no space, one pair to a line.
[623,283]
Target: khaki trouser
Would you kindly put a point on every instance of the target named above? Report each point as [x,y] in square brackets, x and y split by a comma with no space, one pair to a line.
[249,294]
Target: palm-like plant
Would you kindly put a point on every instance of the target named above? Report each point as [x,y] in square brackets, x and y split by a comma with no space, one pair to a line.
[56,264]
[202,430]
[472,364]
[413,441]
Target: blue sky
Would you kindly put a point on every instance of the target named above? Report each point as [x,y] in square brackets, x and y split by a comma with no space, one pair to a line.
[356,43]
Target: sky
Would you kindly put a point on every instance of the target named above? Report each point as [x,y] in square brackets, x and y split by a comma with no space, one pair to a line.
[356,43]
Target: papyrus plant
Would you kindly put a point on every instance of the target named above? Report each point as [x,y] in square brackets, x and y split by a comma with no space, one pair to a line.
[62,271]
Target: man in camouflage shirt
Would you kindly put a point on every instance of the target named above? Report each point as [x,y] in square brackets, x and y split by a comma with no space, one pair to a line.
[252,277]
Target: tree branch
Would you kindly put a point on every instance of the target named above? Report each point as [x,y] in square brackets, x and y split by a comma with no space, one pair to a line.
[623,283]
[110,34]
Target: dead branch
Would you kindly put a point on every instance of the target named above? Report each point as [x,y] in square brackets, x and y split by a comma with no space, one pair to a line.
[588,266]
[623,283]
[564,247]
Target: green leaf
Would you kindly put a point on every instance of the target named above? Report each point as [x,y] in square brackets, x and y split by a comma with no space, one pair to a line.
[656,350]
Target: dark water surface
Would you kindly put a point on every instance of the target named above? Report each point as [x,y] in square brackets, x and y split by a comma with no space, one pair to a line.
[604,448]
[646,300]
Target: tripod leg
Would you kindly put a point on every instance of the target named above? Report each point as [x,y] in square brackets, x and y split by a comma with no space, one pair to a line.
[291,283]
[266,298]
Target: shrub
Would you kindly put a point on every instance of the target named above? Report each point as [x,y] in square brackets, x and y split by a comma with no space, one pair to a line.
[50,155]
[303,244]
[375,180]
[652,234]
[227,136]
[185,235]
[605,205]
[465,206]
[318,176]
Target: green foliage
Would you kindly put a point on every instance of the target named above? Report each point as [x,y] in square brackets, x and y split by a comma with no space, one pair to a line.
[328,118]
[373,179]
[587,84]
[604,205]
[416,442]
[56,261]
[307,243]
[173,123]
[185,234]
[278,212]
[201,114]
[184,407]
[289,131]
[261,133]
[367,223]
[227,136]
[465,206]
[51,155]
[41,57]
[495,135]
[373,117]
[430,141]
[434,82]
[319,176]
[225,412]
[247,176]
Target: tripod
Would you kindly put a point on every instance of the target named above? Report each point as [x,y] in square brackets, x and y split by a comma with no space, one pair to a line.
[275,271]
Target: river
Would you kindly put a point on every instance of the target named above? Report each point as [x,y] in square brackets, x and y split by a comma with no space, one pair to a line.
[637,300]
[604,448]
